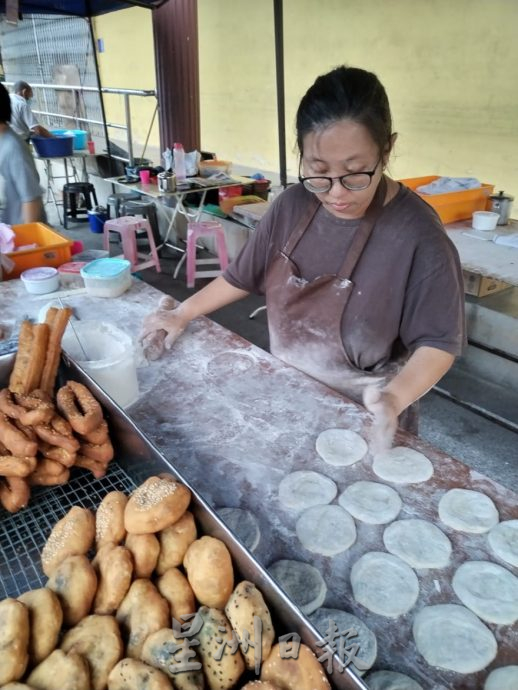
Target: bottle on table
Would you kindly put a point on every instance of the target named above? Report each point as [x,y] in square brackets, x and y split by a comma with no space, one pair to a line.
[179,162]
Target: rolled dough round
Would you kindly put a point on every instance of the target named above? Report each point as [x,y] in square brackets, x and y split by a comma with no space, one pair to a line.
[503,539]
[302,583]
[419,543]
[244,525]
[402,465]
[384,584]
[468,511]
[341,447]
[326,529]
[371,502]
[391,680]
[305,489]
[488,590]
[451,637]
[503,678]
[365,638]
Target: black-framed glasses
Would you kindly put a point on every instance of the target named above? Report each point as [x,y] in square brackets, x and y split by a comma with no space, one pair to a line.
[354,182]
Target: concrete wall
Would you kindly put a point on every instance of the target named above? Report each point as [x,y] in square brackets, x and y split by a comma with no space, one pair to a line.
[450,70]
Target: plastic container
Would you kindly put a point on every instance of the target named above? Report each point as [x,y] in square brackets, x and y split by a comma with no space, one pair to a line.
[484,220]
[107,277]
[213,167]
[54,147]
[179,163]
[80,137]
[40,281]
[453,206]
[53,249]
[91,255]
[96,220]
[107,354]
[70,274]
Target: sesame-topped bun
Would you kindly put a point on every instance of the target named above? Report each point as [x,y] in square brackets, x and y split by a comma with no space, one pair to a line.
[73,535]
[156,504]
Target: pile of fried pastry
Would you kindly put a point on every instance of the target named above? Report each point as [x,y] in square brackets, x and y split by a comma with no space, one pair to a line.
[156,607]
[43,433]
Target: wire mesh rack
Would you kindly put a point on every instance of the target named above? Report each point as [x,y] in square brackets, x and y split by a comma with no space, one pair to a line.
[23,535]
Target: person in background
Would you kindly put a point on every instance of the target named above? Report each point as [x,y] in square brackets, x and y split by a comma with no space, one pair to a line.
[22,118]
[363,287]
[20,191]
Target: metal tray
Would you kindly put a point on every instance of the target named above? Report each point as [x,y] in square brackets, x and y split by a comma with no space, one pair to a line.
[23,534]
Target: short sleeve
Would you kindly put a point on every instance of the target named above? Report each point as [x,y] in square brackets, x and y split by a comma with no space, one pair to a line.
[28,116]
[433,313]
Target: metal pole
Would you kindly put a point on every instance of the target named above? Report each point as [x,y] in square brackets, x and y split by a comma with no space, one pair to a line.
[279,73]
[98,77]
[127,113]
[36,45]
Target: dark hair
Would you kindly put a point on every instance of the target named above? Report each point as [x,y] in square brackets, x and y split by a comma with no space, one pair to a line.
[5,105]
[19,86]
[346,93]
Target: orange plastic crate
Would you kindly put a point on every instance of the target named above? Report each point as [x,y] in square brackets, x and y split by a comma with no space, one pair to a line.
[453,206]
[53,249]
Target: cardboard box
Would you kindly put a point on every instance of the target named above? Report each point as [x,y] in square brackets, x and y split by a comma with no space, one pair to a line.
[480,286]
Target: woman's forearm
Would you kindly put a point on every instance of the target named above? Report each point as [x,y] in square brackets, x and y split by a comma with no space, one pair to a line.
[215,295]
[425,367]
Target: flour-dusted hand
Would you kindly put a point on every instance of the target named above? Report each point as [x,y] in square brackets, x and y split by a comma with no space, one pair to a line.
[162,328]
[383,406]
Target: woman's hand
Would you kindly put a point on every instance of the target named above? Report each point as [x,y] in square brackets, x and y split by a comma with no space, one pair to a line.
[384,406]
[162,328]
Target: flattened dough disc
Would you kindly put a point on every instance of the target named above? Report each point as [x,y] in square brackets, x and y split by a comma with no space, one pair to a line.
[304,489]
[371,502]
[468,511]
[326,529]
[452,637]
[384,584]
[301,582]
[503,540]
[244,525]
[341,447]
[402,465]
[503,678]
[418,542]
[365,638]
[489,590]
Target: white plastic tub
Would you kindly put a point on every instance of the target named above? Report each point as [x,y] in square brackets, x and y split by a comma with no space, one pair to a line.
[107,277]
[41,280]
[484,220]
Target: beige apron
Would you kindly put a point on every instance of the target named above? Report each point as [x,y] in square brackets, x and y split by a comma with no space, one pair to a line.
[305,318]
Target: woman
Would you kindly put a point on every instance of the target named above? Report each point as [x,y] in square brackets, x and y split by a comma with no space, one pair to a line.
[363,287]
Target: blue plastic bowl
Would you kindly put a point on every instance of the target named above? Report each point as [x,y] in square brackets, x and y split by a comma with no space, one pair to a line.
[80,136]
[54,147]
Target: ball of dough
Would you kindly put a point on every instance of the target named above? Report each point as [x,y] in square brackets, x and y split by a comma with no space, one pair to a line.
[59,671]
[14,640]
[209,571]
[144,549]
[109,519]
[155,504]
[114,568]
[303,673]
[130,674]
[72,535]
[98,640]
[143,611]
[74,581]
[176,590]
[174,542]
[45,619]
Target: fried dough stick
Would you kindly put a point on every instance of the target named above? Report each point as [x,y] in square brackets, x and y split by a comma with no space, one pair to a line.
[28,365]
[57,320]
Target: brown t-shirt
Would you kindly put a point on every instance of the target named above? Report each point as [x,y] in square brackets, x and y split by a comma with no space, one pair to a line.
[408,289]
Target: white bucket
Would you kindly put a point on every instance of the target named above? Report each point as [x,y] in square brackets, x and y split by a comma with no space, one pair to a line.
[106,353]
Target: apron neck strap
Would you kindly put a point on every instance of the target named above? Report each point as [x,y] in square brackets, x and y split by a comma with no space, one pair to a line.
[302,224]
[364,231]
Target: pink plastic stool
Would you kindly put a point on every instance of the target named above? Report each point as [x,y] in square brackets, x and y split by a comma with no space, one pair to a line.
[209,228]
[127,227]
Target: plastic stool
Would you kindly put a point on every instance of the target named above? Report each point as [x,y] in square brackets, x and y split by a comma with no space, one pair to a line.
[128,227]
[115,201]
[147,209]
[71,192]
[210,228]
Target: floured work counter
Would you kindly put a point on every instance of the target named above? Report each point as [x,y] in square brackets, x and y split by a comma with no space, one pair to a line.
[234,422]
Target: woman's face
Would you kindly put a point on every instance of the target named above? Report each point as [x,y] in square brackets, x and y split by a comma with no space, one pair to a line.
[342,148]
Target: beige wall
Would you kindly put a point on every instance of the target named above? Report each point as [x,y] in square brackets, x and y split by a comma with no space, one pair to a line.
[128,62]
[450,69]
